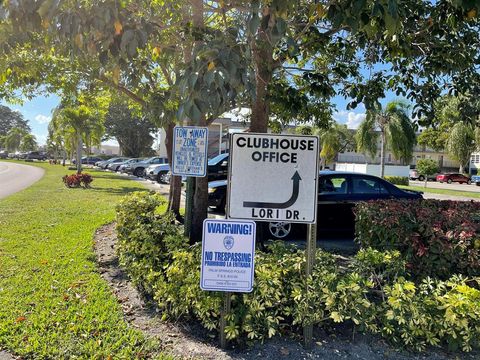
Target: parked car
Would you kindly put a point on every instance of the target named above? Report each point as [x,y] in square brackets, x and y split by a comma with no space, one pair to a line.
[415,175]
[475,179]
[338,192]
[120,166]
[88,160]
[138,169]
[35,155]
[454,177]
[218,167]
[104,164]
[158,173]
[3,154]
[17,155]
[114,165]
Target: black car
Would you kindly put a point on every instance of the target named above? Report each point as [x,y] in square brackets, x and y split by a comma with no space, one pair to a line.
[35,155]
[338,192]
[88,160]
[218,167]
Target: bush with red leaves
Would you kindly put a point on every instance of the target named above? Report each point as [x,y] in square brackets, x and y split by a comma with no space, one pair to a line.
[436,238]
[77,180]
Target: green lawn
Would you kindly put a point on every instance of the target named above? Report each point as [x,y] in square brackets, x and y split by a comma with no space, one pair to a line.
[53,302]
[470,194]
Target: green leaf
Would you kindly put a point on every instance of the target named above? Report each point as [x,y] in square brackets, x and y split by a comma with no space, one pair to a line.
[195,113]
[253,24]
[209,77]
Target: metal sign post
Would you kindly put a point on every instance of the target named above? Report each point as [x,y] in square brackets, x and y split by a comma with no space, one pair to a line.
[227,303]
[310,252]
[189,205]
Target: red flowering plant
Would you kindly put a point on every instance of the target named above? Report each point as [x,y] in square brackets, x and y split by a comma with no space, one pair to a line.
[436,238]
[76,180]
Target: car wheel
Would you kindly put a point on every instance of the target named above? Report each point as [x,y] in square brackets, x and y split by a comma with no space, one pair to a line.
[279,230]
[469,182]
[449,181]
[421,178]
[161,177]
[139,172]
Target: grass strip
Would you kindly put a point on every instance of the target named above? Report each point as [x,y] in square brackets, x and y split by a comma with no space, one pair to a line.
[53,302]
[470,194]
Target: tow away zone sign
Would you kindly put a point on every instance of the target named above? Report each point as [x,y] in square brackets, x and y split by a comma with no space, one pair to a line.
[273,177]
[190,151]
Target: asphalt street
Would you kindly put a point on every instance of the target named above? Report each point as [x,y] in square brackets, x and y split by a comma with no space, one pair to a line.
[15,177]
[453,186]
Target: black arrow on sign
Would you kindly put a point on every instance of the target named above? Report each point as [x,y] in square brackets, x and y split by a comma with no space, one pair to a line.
[266,205]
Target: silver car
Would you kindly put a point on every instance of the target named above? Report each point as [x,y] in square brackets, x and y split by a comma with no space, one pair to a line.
[138,169]
[158,173]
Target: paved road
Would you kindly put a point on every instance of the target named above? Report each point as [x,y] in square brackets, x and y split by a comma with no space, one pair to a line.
[453,186]
[16,177]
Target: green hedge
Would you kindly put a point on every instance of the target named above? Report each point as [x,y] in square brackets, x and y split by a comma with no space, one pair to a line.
[372,293]
[436,238]
[397,180]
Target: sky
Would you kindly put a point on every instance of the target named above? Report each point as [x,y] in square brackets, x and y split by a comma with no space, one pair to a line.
[38,112]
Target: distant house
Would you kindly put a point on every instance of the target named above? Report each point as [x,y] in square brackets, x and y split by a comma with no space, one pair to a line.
[106,150]
[419,152]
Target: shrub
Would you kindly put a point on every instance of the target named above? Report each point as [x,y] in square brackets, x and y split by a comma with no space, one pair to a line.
[436,238]
[146,239]
[371,293]
[397,180]
[433,313]
[75,180]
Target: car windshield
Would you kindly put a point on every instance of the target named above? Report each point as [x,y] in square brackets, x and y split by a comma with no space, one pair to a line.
[217,159]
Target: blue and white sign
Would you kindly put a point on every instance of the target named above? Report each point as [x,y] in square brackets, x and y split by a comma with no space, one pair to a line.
[228,251]
[190,145]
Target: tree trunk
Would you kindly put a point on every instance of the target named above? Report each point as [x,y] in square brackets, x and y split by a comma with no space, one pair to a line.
[200,197]
[79,153]
[176,181]
[382,153]
[263,60]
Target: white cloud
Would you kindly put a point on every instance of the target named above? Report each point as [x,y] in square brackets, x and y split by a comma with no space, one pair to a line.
[41,139]
[42,119]
[352,119]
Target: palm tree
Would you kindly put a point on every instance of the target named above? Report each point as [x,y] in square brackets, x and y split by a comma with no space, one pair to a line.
[333,140]
[461,143]
[29,142]
[13,139]
[77,125]
[395,130]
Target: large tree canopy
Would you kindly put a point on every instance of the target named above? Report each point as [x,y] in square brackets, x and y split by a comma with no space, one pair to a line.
[10,119]
[132,131]
[284,54]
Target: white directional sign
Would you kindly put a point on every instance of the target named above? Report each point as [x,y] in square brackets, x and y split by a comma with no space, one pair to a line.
[190,151]
[273,177]
[228,251]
